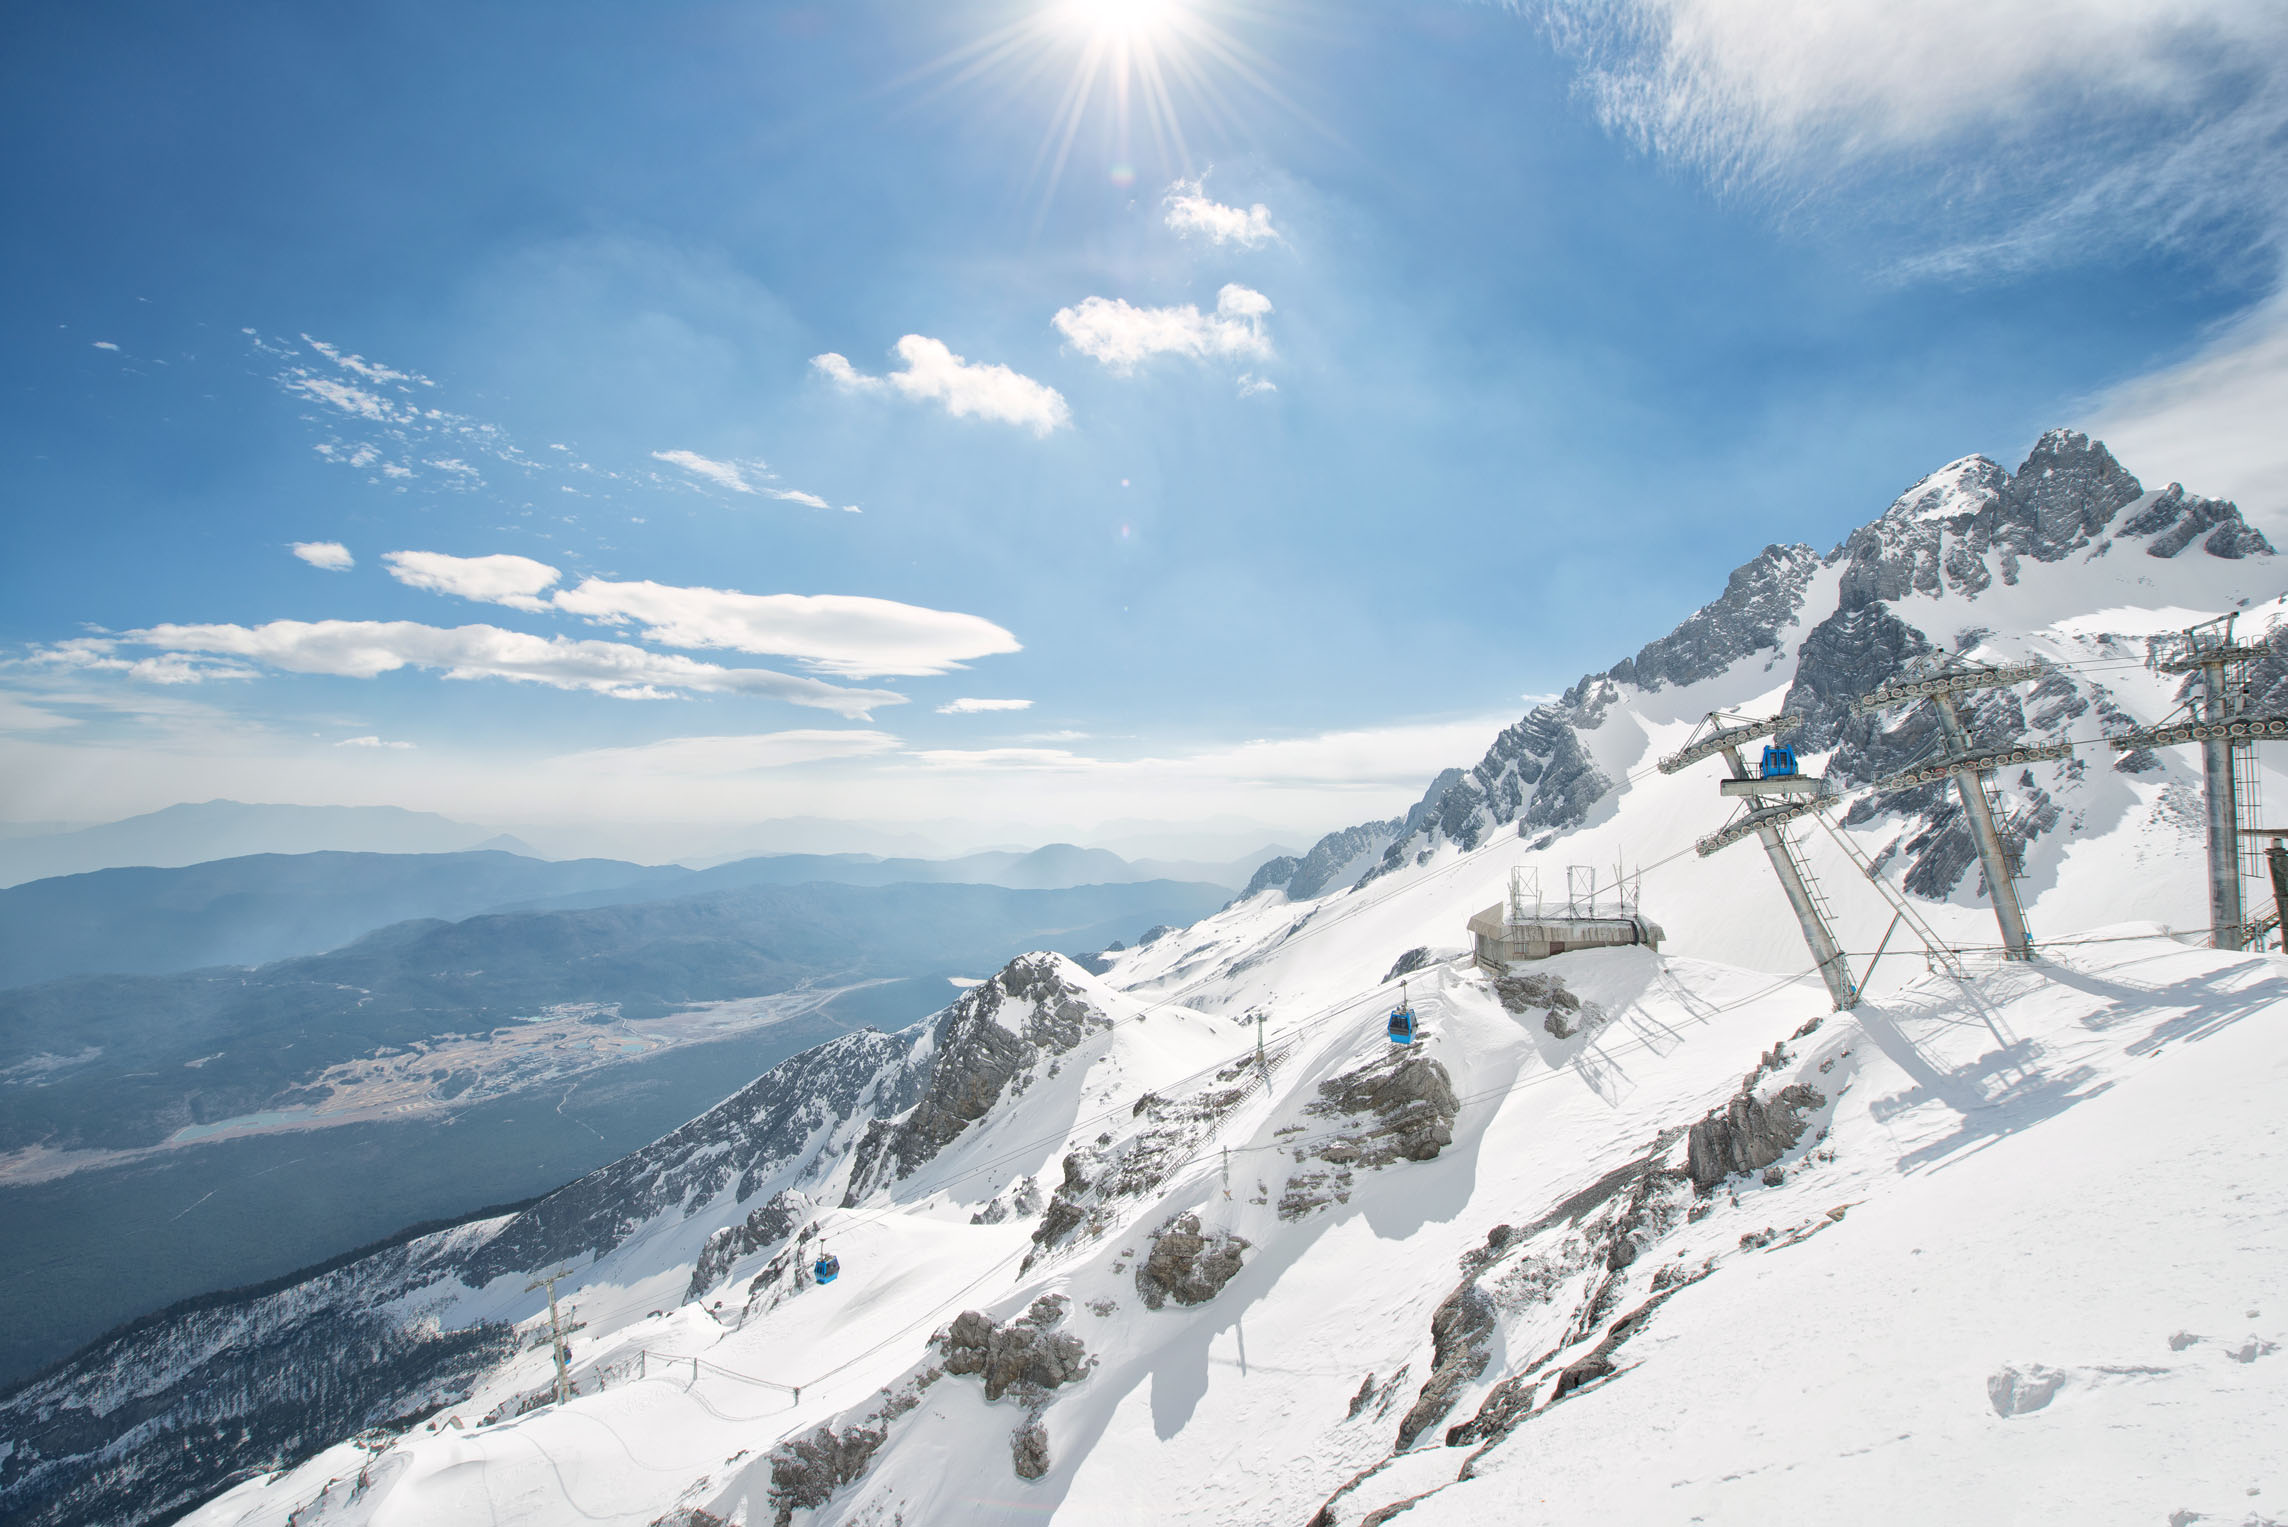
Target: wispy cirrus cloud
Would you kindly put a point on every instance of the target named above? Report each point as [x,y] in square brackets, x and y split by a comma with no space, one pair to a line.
[748,477]
[2023,128]
[372,741]
[333,556]
[365,649]
[1122,337]
[931,372]
[379,420]
[975,707]
[1188,209]
[497,579]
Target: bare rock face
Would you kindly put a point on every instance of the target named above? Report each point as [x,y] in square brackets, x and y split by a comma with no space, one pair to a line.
[1461,1344]
[765,1225]
[1748,1134]
[807,1470]
[1187,1264]
[1563,1013]
[1027,1355]
[1403,1108]
[1506,1404]
[1029,1450]
[977,1054]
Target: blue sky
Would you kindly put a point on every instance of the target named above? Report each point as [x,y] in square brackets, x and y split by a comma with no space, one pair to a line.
[1454,350]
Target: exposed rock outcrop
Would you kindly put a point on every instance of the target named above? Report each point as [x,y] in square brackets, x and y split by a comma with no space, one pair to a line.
[1402,1107]
[766,1224]
[1187,1264]
[1028,1355]
[1748,1134]
[982,1042]
[1029,1450]
[1461,1337]
[1563,1013]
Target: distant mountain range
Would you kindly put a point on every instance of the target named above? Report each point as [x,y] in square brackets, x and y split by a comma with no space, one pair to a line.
[264,907]
[195,832]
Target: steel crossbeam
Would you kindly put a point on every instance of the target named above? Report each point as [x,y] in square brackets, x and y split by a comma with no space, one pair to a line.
[1960,681]
[1972,763]
[2240,728]
[1731,737]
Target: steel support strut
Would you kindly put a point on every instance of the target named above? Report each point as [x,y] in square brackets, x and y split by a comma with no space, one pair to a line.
[1825,952]
[2227,923]
[2017,943]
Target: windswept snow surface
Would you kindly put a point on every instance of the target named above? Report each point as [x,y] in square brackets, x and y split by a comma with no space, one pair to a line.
[2052,1295]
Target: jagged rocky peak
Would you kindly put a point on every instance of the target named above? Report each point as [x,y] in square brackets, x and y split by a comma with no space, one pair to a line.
[1760,601]
[1971,523]
[999,1032]
[1333,862]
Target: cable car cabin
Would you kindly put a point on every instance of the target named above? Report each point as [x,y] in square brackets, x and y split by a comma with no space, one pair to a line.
[1779,763]
[1403,1026]
[829,1268]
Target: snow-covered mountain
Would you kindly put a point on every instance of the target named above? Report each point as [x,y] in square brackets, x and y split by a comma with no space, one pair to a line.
[1631,1236]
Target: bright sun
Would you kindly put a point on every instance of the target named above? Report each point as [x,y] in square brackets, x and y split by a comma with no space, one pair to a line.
[1123,80]
[1119,18]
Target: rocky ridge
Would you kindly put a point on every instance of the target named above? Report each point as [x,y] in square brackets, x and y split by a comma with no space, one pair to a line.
[1962,531]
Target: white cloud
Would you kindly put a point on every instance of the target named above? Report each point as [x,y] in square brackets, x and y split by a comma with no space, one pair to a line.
[497,579]
[933,373]
[364,649]
[2212,422]
[1250,384]
[1189,210]
[968,707]
[715,756]
[333,556]
[370,742]
[105,344]
[843,634]
[1110,330]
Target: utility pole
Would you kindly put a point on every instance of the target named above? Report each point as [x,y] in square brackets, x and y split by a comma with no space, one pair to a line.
[2222,728]
[1772,803]
[1969,771]
[556,1330]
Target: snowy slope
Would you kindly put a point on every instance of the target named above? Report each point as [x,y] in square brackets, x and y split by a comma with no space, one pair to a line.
[1650,1237]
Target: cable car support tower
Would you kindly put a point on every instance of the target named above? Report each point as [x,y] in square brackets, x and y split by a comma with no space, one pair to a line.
[1972,772]
[2222,726]
[1774,795]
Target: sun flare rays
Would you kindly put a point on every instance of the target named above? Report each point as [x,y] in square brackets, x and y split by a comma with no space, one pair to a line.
[1120,81]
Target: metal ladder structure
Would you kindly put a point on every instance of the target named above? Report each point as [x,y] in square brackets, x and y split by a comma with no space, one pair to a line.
[2222,726]
[1902,909]
[1770,805]
[1971,771]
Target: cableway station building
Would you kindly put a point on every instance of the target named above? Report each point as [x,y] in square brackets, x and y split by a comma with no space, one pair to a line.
[1528,927]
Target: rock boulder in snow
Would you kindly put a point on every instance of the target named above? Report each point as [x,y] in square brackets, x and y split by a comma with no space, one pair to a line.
[1187,1264]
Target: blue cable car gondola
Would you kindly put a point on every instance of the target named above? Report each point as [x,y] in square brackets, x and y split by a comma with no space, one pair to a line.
[1403,1024]
[827,1268]
[1779,762]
